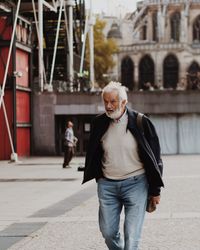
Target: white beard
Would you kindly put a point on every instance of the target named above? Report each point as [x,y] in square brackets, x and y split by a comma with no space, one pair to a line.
[115,114]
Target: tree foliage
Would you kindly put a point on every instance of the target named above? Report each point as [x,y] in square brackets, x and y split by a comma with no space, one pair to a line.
[103,51]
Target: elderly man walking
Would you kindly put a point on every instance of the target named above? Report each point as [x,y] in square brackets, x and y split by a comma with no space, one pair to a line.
[126,163]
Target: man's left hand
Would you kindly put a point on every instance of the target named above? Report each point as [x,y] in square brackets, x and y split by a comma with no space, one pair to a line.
[155,199]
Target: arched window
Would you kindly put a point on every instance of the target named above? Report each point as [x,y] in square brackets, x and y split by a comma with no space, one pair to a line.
[146,72]
[170,71]
[127,72]
[196,30]
[155,27]
[175,26]
[193,76]
[143,33]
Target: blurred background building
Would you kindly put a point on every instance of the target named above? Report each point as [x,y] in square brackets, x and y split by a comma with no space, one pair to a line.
[43,84]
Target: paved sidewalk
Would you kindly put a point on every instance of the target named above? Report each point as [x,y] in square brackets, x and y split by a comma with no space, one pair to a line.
[44,207]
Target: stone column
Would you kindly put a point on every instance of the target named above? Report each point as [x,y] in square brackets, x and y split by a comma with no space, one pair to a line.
[150,27]
[182,27]
[158,69]
[136,75]
[185,23]
[160,25]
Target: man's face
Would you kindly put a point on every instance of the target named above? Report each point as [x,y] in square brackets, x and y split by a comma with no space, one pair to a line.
[113,106]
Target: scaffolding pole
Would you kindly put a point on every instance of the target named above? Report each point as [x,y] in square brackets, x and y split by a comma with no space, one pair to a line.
[91,41]
[40,45]
[55,46]
[71,59]
[84,43]
[9,53]
[37,30]
[14,154]
[67,29]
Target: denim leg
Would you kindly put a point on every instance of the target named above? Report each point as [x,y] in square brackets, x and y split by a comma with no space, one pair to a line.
[135,191]
[110,208]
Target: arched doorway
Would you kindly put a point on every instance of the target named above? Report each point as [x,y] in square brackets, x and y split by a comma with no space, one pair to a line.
[127,72]
[193,76]
[170,72]
[146,72]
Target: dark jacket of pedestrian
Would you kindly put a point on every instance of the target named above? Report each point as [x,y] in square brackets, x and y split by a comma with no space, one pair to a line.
[148,150]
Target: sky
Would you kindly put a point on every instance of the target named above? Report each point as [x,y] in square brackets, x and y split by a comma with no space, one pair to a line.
[112,7]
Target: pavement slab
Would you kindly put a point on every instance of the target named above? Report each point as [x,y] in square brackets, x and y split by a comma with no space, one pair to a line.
[40,190]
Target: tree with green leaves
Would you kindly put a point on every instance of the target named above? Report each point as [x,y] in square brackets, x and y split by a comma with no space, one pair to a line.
[103,51]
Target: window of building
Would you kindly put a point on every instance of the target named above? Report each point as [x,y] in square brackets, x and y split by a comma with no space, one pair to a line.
[193,76]
[127,72]
[155,27]
[175,27]
[146,73]
[170,71]
[143,33]
[196,30]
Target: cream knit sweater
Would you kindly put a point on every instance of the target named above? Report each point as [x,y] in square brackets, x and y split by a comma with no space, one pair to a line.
[121,158]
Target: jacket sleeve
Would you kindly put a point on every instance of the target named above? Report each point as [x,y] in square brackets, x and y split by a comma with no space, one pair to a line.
[90,142]
[92,159]
[153,141]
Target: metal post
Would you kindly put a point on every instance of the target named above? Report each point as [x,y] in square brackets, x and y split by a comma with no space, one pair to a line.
[70,58]
[84,42]
[55,46]
[91,39]
[13,155]
[9,54]
[66,25]
[14,125]
[40,44]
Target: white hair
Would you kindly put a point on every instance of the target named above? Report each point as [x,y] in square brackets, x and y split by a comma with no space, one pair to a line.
[116,86]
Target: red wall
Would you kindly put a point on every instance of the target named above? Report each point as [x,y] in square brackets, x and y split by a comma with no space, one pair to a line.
[23,107]
[23,95]
[23,117]
[5,148]
[3,61]
[5,28]
[23,141]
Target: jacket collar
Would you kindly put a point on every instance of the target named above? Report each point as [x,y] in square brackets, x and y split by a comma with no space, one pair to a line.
[132,114]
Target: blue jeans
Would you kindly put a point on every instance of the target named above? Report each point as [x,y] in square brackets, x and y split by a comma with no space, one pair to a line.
[113,195]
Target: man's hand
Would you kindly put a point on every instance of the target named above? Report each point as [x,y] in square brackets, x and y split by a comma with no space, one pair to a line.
[155,200]
[152,203]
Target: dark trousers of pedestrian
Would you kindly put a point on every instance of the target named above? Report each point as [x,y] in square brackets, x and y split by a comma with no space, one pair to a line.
[69,152]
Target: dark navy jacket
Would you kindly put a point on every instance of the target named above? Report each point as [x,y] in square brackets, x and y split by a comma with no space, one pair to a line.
[148,150]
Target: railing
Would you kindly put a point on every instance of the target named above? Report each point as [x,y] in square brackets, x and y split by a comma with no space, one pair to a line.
[162,46]
[23,31]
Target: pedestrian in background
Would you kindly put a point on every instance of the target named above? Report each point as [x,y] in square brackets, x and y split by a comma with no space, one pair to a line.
[126,163]
[69,144]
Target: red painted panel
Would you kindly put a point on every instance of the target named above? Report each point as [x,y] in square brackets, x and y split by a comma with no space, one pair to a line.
[23,141]
[23,106]
[22,65]
[5,148]
[5,28]
[3,62]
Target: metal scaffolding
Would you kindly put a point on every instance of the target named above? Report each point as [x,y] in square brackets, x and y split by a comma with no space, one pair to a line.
[36,11]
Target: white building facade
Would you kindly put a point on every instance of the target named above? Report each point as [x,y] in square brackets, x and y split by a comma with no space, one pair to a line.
[159,50]
[160,45]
